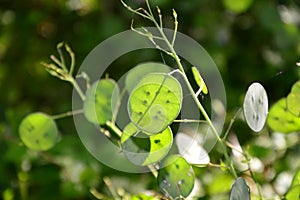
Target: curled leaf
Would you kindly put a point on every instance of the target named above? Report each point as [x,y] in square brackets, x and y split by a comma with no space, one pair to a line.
[142,149]
[199,80]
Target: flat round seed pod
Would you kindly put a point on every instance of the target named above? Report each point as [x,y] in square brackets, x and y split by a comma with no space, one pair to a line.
[99,103]
[155,102]
[239,190]
[177,178]
[256,106]
[38,131]
[134,76]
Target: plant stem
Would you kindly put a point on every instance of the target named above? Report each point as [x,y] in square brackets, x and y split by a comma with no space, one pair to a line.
[23,184]
[110,187]
[248,159]
[173,53]
[67,114]
[153,170]
[230,124]
[254,179]
[97,194]
[72,55]
[114,128]
[201,108]
[117,106]
[62,59]
[77,88]
[189,121]
[177,59]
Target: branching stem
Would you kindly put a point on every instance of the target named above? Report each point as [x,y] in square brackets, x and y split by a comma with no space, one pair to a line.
[173,53]
[77,88]
[67,114]
[189,121]
[230,124]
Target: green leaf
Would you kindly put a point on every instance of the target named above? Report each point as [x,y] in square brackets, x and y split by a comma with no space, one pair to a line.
[142,149]
[239,190]
[8,194]
[221,183]
[134,76]
[293,100]
[296,179]
[281,120]
[199,80]
[259,151]
[237,6]
[100,102]
[256,107]
[177,178]
[38,131]
[293,193]
[155,102]
[144,197]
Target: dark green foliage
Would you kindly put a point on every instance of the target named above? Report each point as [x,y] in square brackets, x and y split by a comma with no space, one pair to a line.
[248,40]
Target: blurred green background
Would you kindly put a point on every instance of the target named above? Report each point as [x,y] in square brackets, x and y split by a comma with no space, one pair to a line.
[249,41]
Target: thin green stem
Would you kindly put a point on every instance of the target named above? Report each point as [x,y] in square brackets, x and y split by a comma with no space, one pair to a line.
[234,148]
[72,55]
[223,146]
[150,10]
[175,27]
[62,72]
[254,179]
[146,34]
[97,194]
[111,188]
[201,108]
[216,165]
[248,159]
[160,17]
[178,62]
[56,61]
[153,170]
[67,114]
[77,88]
[230,124]
[135,11]
[62,59]
[86,78]
[117,107]
[114,127]
[23,184]
[189,121]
